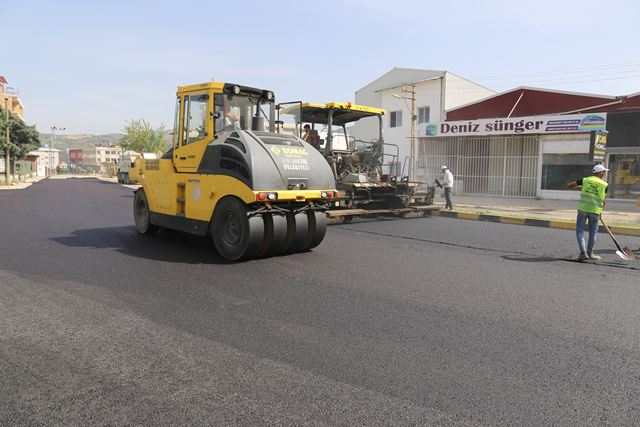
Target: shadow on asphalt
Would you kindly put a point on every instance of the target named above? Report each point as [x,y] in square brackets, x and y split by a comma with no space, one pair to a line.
[165,245]
[364,220]
[536,259]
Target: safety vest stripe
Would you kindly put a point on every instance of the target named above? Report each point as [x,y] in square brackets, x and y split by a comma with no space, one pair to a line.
[586,198]
[592,204]
[591,196]
[586,202]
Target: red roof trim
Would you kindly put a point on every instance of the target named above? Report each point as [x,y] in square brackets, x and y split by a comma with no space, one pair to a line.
[527,101]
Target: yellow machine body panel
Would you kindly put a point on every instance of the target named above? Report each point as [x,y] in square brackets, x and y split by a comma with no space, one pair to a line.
[192,129]
[193,196]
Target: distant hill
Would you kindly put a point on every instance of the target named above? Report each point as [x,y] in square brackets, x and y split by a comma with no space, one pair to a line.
[65,142]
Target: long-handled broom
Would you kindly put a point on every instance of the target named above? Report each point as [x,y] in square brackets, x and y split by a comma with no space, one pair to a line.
[626,253]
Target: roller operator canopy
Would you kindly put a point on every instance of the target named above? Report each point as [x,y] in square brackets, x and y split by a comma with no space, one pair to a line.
[229,89]
[343,112]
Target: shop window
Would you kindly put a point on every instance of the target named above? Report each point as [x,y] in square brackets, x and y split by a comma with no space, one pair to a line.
[559,169]
[624,176]
[395,119]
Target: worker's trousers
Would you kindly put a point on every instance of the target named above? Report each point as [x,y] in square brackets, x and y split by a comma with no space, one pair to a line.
[447,198]
[581,220]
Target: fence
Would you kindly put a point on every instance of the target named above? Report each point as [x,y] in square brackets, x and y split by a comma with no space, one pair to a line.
[492,166]
[21,169]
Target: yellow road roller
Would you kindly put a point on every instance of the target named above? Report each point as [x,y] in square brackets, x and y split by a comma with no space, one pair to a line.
[228,174]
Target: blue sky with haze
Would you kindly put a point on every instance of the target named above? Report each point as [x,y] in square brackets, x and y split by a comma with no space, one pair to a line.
[90,65]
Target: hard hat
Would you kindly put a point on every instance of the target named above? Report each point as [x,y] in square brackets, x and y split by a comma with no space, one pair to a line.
[599,168]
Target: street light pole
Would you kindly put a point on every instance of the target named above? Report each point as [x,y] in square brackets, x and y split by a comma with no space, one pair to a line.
[7,158]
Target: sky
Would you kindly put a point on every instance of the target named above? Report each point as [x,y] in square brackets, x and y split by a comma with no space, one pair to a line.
[89,66]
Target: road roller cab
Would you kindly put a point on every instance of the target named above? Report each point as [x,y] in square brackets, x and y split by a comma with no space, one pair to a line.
[228,174]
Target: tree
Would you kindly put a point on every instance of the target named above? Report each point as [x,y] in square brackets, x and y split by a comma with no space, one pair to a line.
[22,138]
[141,137]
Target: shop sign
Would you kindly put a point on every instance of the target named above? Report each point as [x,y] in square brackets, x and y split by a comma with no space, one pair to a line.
[598,146]
[571,123]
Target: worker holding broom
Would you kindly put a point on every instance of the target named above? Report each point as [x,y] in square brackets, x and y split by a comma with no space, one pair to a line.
[592,199]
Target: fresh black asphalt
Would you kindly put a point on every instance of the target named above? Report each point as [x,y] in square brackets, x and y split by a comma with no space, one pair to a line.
[390,322]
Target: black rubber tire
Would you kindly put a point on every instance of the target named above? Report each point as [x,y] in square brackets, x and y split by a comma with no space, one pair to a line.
[258,244]
[142,214]
[277,229]
[300,236]
[317,229]
[234,234]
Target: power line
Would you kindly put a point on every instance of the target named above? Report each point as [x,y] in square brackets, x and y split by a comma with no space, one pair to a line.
[575,79]
[561,71]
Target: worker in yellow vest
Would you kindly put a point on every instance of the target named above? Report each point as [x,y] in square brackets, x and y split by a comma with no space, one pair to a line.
[592,199]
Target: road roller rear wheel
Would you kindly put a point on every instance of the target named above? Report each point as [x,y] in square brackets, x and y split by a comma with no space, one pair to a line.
[258,244]
[142,214]
[277,231]
[300,236]
[317,228]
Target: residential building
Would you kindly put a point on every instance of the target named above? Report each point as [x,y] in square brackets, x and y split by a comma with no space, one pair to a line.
[10,100]
[99,157]
[46,160]
[76,157]
[434,92]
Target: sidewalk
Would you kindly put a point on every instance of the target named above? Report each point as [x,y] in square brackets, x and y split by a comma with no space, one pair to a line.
[623,217]
[19,185]
[29,181]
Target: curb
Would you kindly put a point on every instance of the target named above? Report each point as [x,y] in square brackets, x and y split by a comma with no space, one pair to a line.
[563,225]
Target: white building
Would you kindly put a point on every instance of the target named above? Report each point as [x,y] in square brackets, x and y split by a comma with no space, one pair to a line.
[435,92]
[46,160]
[100,156]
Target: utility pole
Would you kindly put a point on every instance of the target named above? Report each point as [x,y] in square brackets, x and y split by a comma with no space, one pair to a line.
[7,158]
[52,156]
[414,118]
[410,89]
